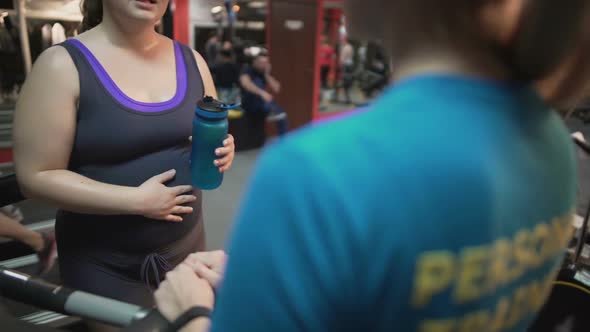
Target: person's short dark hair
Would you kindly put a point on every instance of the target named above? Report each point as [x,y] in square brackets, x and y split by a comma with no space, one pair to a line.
[226,53]
[213,34]
[547,31]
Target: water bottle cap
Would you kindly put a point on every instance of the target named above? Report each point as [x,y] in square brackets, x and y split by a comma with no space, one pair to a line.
[214,109]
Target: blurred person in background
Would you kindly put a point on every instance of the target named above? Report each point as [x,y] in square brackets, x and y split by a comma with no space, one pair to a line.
[212,48]
[377,70]
[258,90]
[226,74]
[327,55]
[346,62]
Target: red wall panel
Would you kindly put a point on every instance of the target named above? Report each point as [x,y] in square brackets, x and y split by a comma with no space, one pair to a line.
[181,21]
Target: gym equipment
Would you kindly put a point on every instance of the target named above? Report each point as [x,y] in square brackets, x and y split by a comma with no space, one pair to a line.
[24,288]
[566,308]
[231,18]
[20,287]
[585,147]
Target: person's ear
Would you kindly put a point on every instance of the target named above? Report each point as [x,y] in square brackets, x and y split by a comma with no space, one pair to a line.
[544,33]
[550,87]
[569,84]
[501,19]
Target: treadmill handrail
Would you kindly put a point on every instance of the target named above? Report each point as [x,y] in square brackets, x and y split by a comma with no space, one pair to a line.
[23,288]
[582,145]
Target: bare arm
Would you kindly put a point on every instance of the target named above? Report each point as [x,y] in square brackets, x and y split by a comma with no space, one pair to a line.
[206,76]
[248,85]
[273,84]
[44,128]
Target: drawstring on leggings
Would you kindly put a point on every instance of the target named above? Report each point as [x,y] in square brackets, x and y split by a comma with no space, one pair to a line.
[153,263]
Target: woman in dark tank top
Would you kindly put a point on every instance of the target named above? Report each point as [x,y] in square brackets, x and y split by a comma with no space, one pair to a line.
[102,130]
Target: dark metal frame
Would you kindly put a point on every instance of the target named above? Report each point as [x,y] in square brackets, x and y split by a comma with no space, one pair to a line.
[584,231]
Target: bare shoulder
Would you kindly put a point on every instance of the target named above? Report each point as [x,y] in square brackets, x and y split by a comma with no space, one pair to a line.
[55,59]
[200,60]
[55,65]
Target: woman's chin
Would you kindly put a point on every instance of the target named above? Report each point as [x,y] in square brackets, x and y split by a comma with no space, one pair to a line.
[141,19]
[140,10]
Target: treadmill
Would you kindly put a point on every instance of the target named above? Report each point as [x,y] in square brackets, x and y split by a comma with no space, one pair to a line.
[63,308]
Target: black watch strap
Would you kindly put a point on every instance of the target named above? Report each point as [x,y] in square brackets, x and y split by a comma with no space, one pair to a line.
[188,316]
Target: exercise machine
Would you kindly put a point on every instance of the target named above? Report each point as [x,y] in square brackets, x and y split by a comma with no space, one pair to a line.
[24,288]
[20,287]
[566,308]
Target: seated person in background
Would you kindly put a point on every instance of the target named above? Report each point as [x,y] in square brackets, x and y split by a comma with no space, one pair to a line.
[446,207]
[257,102]
[226,75]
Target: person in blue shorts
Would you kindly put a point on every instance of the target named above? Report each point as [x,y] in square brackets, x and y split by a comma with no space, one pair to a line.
[444,208]
[258,103]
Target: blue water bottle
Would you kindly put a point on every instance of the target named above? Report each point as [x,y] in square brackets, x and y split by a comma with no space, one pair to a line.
[209,131]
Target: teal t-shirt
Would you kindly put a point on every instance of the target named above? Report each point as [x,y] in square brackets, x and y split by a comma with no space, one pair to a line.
[444,208]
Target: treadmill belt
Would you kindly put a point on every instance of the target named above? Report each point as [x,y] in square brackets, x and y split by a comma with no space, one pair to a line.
[9,323]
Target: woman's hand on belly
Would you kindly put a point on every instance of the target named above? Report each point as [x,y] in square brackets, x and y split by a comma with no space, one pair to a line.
[157,201]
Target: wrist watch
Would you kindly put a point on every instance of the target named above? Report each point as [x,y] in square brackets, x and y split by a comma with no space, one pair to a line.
[187,317]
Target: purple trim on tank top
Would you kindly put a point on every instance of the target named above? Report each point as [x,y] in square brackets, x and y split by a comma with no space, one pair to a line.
[121,97]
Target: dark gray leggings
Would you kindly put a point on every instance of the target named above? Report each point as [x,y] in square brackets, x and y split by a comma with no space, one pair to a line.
[128,277]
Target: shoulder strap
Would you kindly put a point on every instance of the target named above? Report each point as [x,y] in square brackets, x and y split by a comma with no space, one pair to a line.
[74,53]
[189,58]
[82,66]
[193,72]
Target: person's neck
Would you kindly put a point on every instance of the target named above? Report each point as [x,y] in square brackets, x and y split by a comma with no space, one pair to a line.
[440,62]
[133,36]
